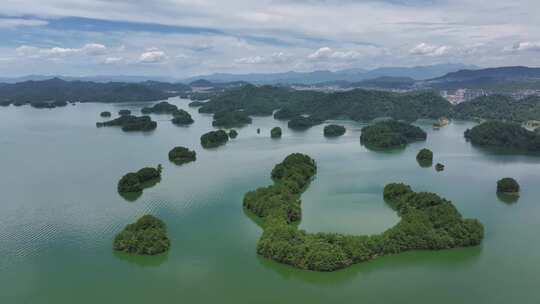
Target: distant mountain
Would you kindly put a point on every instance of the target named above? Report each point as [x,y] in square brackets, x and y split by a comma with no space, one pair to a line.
[501,78]
[97,78]
[350,75]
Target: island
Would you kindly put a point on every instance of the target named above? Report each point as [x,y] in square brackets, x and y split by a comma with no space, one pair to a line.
[214,139]
[233,133]
[439,167]
[105,114]
[508,186]
[228,119]
[428,222]
[333,130]
[506,135]
[275,132]
[136,181]
[124,112]
[130,123]
[390,134]
[147,236]
[181,155]
[258,130]
[301,123]
[181,118]
[425,157]
[196,103]
[160,108]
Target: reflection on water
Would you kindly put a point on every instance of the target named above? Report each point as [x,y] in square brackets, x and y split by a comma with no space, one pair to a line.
[142,261]
[508,198]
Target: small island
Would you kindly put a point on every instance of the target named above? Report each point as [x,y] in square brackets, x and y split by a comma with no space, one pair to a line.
[508,186]
[390,134]
[439,167]
[182,155]
[275,132]
[147,236]
[135,181]
[425,157]
[124,112]
[196,103]
[214,139]
[228,119]
[301,123]
[233,133]
[130,123]
[160,108]
[333,130]
[181,118]
[505,135]
[441,122]
[258,130]
[105,114]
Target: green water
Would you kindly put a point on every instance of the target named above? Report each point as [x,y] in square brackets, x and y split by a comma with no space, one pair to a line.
[59,212]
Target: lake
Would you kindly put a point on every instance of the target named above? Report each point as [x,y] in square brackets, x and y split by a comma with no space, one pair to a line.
[60,211]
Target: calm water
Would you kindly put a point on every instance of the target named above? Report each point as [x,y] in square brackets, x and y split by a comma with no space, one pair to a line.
[59,212]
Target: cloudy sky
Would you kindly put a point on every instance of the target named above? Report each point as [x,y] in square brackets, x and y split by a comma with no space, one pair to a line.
[179,38]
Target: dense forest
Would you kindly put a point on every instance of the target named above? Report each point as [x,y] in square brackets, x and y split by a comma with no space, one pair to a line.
[498,107]
[428,222]
[214,139]
[181,155]
[229,119]
[333,130]
[137,181]
[147,236]
[130,123]
[390,134]
[504,135]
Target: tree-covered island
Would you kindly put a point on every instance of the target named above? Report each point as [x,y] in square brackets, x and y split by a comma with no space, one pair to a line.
[504,135]
[105,114]
[130,123]
[214,139]
[334,130]
[275,132]
[428,222]
[160,108]
[425,157]
[508,185]
[182,155]
[233,134]
[182,118]
[124,112]
[135,181]
[147,236]
[228,119]
[390,134]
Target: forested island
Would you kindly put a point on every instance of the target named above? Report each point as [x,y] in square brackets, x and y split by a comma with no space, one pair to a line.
[425,158]
[233,134]
[508,185]
[504,135]
[147,236]
[333,130]
[428,222]
[228,119]
[390,134]
[130,123]
[160,108]
[275,132]
[105,114]
[182,155]
[214,139]
[124,112]
[303,122]
[137,181]
[181,118]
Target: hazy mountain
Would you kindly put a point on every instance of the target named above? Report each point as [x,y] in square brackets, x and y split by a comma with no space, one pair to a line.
[351,75]
[97,78]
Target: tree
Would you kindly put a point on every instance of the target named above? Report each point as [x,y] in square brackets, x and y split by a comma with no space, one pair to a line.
[275,132]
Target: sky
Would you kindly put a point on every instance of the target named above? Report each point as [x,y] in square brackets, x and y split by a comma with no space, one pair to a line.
[182,38]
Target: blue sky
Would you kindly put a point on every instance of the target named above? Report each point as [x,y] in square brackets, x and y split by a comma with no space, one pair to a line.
[180,38]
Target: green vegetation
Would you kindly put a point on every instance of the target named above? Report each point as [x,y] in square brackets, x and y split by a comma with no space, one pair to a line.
[160,108]
[147,236]
[508,185]
[303,123]
[182,117]
[439,167]
[390,134]
[47,104]
[105,114]
[134,181]
[333,130]
[498,107]
[124,112]
[504,135]
[182,155]
[425,157]
[196,104]
[275,132]
[233,133]
[229,119]
[130,123]
[214,139]
[428,222]
[258,130]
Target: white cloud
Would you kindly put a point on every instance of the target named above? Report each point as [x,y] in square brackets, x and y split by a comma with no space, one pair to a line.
[425,49]
[525,46]
[153,56]
[275,58]
[94,49]
[112,60]
[327,53]
[90,49]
